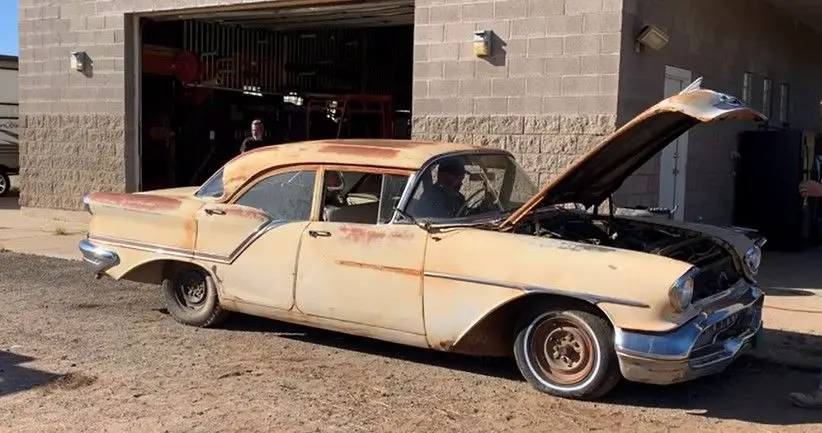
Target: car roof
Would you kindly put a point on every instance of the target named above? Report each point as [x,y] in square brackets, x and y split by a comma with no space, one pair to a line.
[404,154]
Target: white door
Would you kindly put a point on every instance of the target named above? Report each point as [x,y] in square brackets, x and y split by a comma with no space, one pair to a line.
[674,158]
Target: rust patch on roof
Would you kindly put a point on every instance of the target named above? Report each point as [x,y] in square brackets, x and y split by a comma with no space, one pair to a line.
[382,268]
[146,202]
[379,152]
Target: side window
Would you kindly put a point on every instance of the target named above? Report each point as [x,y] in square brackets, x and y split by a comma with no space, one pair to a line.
[370,200]
[284,196]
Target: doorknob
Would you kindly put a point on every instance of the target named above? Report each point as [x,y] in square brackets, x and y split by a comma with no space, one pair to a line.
[215,211]
[320,233]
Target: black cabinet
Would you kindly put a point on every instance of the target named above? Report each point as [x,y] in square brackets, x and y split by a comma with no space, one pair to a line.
[768,170]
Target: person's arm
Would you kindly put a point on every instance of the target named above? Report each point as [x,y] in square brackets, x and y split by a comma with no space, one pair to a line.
[243,145]
[810,188]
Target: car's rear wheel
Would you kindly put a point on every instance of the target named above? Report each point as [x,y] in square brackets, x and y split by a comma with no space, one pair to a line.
[191,297]
[567,353]
[5,183]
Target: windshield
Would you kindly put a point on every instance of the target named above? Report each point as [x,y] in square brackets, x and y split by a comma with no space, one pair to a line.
[213,187]
[469,187]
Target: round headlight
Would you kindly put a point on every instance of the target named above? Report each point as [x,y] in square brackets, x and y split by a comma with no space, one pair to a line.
[682,292]
[752,259]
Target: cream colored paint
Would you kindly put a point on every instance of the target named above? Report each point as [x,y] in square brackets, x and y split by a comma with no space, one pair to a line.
[264,273]
[173,228]
[559,265]
[294,316]
[363,273]
[452,308]
[222,234]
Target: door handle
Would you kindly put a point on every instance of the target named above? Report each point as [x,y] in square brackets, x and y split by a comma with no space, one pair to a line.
[215,212]
[319,233]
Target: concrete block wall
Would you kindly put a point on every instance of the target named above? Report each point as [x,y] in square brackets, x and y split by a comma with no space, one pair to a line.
[548,92]
[719,41]
[75,128]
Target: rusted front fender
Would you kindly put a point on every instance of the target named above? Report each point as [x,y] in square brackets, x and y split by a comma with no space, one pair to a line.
[477,280]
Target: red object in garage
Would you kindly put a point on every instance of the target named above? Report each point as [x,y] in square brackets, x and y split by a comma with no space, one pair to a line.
[185,67]
[166,61]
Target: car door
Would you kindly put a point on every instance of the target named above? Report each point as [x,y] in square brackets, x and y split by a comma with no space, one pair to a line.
[357,267]
[254,239]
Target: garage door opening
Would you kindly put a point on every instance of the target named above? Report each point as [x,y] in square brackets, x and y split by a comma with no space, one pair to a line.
[323,72]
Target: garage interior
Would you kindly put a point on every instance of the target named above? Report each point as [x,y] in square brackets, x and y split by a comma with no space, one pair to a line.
[308,72]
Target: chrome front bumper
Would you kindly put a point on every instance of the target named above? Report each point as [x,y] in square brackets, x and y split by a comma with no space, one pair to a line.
[705,345]
[97,259]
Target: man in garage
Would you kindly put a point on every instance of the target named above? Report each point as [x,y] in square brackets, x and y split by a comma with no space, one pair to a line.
[256,139]
[810,399]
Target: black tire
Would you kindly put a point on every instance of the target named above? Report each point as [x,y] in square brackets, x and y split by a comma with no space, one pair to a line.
[191,297]
[589,340]
[5,183]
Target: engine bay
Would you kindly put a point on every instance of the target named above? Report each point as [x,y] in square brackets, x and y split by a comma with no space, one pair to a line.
[716,263]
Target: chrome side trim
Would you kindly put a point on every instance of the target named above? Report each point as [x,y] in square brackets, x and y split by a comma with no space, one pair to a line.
[140,246]
[97,259]
[192,254]
[594,299]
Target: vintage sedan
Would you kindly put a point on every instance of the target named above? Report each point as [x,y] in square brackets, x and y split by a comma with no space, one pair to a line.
[452,248]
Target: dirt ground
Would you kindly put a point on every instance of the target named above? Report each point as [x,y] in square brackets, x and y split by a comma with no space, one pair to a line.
[78,354]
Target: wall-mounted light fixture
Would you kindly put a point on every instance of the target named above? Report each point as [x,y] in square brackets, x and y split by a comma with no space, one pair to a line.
[79,61]
[651,36]
[482,43]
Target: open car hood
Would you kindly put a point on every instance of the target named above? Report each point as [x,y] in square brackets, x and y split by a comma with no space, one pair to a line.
[601,171]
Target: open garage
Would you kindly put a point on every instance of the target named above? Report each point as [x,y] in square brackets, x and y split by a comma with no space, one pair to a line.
[307,72]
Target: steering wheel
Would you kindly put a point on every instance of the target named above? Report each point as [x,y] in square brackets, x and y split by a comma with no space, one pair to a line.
[464,206]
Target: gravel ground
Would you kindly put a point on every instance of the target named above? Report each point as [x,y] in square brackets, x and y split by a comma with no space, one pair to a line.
[78,354]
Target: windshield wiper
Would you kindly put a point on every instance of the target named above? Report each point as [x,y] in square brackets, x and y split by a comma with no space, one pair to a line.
[425,226]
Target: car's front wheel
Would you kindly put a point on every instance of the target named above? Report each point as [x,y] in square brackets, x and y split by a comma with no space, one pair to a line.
[191,297]
[567,353]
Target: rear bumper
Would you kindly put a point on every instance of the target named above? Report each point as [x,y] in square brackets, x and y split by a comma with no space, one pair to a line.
[97,259]
[706,345]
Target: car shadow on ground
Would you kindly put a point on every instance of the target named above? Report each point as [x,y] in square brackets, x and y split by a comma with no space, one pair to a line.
[16,378]
[751,390]
[494,367]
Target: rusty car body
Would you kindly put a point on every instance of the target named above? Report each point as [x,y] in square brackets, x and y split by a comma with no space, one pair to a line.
[338,235]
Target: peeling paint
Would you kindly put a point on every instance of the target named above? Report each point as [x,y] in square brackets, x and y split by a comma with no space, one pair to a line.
[360,234]
[143,202]
[379,152]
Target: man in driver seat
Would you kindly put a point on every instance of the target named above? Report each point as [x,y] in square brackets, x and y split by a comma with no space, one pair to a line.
[444,199]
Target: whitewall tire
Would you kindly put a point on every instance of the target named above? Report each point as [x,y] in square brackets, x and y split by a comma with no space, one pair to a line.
[567,353]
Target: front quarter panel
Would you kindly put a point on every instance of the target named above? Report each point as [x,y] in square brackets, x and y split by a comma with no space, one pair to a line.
[470,273]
